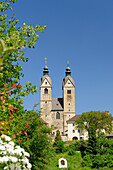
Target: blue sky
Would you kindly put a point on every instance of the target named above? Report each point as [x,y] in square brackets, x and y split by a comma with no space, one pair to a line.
[80,31]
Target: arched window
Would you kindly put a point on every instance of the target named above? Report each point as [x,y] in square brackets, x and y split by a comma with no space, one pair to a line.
[57,115]
[75,138]
[45,91]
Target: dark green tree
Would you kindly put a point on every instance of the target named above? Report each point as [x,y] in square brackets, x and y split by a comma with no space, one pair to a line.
[57,137]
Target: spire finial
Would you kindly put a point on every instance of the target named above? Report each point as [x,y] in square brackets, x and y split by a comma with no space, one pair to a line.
[68,72]
[67,63]
[45,61]
[45,72]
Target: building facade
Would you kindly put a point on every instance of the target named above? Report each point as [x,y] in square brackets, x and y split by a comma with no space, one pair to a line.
[73,132]
[56,111]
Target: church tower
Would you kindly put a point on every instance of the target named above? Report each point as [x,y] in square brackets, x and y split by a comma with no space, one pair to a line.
[46,94]
[68,87]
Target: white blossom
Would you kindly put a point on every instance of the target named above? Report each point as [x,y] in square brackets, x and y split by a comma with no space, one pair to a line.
[13,157]
[26,154]
[7,138]
[2,147]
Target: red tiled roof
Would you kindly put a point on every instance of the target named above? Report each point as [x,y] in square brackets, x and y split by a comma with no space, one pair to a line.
[74,118]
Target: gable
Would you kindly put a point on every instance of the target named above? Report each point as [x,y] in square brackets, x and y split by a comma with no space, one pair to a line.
[69,83]
[45,83]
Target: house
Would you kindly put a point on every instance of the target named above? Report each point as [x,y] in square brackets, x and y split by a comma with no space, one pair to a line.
[73,132]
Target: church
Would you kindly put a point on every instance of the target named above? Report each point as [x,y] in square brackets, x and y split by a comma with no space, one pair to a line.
[57,111]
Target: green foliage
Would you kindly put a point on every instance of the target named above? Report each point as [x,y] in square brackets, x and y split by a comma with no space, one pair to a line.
[92,141]
[71,152]
[57,137]
[25,128]
[98,154]
[32,134]
[13,40]
[60,147]
[87,161]
[73,162]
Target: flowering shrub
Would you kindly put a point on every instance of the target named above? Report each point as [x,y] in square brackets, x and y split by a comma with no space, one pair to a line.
[11,156]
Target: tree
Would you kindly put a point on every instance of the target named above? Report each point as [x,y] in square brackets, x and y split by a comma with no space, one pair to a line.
[25,128]
[94,122]
[13,40]
[57,137]
[99,120]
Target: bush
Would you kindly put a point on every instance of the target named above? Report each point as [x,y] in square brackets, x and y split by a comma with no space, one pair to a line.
[60,147]
[71,152]
[11,156]
[87,161]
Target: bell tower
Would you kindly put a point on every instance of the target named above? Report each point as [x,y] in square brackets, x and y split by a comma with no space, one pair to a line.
[46,94]
[68,88]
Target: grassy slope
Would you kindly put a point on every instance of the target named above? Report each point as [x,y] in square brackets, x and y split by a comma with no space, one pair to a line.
[73,162]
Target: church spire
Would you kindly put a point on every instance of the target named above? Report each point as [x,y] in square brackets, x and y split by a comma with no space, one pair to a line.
[45,72]
[68,72]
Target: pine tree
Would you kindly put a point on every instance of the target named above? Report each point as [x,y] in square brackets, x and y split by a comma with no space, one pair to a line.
[57,138]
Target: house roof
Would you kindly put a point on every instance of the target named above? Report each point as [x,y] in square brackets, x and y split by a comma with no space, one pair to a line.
[110,135]
[57,104]
[73,118]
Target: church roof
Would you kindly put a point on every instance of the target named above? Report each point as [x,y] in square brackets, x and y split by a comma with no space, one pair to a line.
[57,104]
[73,118]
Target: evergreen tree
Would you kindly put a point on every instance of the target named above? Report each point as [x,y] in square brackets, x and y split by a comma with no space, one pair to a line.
[57,138]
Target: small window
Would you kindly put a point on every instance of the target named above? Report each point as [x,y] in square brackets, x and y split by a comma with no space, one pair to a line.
[73,131]
[62,162]
[78,130]
[57,115]
[68,91]
[45,82]
[53,133]
[73,124]
[45,91]
[45,115]
[45,101]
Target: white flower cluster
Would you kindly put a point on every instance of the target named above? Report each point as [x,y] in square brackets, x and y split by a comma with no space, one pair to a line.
[13,157]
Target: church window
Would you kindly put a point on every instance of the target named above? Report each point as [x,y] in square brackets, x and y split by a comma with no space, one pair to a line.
[73,124]
[68,91]
[45,101]
[45,91]
[57,115]
[45,82]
